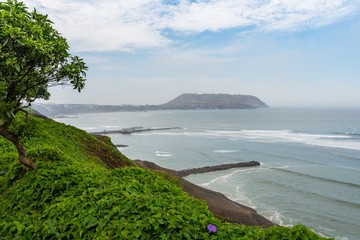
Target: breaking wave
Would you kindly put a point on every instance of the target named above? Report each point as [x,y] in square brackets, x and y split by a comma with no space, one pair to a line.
[163,154]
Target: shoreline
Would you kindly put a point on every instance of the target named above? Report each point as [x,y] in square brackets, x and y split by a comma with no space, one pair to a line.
[218,204]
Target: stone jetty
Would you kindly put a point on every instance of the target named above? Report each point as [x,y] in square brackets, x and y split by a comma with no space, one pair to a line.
[206,169]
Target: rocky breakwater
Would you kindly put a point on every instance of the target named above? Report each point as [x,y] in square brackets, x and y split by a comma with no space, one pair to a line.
[222,167]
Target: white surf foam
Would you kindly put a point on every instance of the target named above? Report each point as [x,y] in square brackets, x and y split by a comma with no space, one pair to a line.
[108,127]
[323,140]
[240,197]
[225,178]
[225,151]
[163,154]
[276,217]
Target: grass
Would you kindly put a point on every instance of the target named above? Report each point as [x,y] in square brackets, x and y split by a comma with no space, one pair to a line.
[83,188]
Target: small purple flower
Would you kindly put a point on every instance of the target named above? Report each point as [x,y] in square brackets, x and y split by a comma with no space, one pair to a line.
[211,228]
[3,171]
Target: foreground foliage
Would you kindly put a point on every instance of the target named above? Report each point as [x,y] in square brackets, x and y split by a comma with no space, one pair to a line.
[73,194]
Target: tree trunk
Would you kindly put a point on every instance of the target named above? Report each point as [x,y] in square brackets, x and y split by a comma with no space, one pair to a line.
[4,131]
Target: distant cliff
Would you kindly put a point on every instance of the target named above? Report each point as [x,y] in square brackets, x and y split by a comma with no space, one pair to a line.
[214,101]
[184,101]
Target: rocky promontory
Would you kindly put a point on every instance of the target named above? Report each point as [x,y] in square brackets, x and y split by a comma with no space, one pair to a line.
[214,101]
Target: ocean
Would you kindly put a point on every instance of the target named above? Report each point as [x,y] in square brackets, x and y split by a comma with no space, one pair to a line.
[310,158]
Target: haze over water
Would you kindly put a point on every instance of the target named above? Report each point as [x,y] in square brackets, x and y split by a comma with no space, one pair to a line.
[310,159]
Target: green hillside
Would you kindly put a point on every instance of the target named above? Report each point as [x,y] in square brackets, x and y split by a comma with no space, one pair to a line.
[83,188]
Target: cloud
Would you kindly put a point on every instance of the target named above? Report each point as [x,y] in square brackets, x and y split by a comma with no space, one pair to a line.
[286,15]
[131,24]
[104,25]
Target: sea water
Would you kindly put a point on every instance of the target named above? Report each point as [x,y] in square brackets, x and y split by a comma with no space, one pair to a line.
[310,158]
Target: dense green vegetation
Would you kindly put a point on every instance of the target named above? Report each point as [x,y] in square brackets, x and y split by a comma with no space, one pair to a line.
[74,193]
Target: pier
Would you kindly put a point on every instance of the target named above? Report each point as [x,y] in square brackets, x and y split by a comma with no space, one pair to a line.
[133,130]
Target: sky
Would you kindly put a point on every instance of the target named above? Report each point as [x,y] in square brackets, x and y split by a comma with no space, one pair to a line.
[288,53]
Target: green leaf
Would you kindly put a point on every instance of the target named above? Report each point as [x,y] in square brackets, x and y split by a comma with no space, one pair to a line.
[20,228]
[124,233]
[5,41]
[20,41]
[8,61]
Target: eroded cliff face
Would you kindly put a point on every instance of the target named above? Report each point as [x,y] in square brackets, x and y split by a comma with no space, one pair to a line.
[213,101]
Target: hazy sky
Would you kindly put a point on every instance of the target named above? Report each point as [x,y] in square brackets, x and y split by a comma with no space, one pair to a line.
[286,52]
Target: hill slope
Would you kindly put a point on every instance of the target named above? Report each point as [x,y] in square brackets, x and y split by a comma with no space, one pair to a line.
[74,194]
[211,101]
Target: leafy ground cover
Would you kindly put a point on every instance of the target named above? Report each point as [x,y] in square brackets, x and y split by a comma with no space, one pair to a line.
[83,188]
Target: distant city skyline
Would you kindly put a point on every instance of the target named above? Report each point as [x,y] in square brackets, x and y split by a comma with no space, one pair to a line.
[287,53]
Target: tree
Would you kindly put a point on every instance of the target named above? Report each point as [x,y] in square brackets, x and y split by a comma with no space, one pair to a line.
[33,57]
